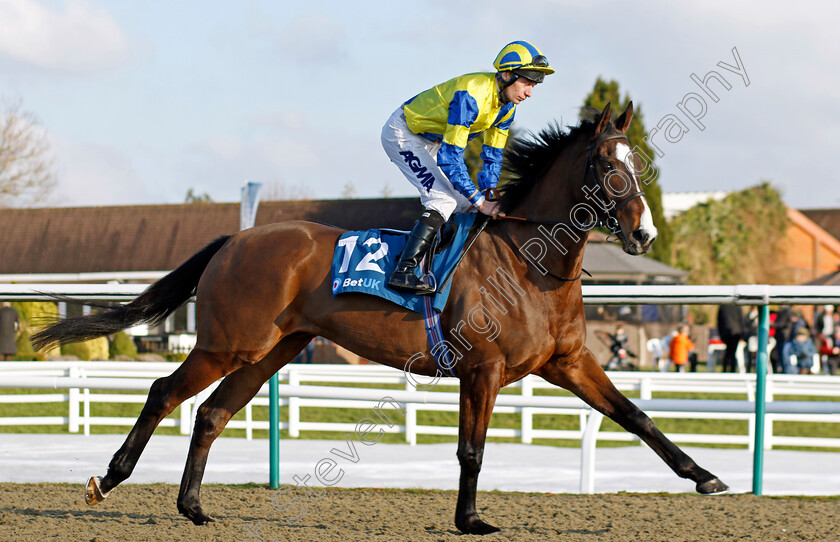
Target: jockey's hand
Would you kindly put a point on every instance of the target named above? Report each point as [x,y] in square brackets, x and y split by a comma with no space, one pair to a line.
[491,208]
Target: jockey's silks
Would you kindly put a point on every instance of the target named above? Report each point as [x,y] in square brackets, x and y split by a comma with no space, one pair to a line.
[455,112]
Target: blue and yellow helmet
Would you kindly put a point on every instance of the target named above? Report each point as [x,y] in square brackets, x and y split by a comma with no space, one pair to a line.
[523,59]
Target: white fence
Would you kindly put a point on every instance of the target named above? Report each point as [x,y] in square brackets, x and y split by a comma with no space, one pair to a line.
[89,383]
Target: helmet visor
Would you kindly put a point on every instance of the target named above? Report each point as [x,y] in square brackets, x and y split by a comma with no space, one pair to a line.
[531,75]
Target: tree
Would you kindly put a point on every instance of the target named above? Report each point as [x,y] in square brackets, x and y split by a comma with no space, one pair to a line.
[737,240]
[349,191]
[26,175]
[608,92]
[279,191]
[193,197]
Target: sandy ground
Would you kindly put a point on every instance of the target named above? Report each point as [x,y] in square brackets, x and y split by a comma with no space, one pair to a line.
[148,512]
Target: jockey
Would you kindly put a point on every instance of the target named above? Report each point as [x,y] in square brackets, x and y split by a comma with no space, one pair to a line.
[426,137]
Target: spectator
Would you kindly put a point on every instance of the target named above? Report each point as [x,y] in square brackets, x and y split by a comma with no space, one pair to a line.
[730,323]
[781,330]
[679,348]
[830,350]
[654,346]
[802,352]
[8,331]
[665,363]
[824,321]
[751,337]
[797,322]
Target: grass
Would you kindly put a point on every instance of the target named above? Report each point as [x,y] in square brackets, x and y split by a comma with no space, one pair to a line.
[499,420]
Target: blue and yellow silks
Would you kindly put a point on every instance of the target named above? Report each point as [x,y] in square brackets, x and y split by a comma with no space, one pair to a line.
[455,112]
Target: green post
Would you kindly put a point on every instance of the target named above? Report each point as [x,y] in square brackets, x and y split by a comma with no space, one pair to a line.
[760,386]
[274,431]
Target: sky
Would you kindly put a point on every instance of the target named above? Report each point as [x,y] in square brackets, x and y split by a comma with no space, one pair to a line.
[144,100]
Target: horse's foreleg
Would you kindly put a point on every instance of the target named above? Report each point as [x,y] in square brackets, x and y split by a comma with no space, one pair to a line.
[235,391]
[198,371]
[478,395]
[582,375]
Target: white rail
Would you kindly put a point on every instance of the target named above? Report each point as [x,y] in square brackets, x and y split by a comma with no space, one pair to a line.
[84,378]
[668,294]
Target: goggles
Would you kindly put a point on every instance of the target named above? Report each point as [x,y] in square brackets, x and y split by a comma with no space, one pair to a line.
[538,61]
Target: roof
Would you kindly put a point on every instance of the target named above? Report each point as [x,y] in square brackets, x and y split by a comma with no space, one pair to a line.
[161,237]
[608,261]
[135,238]
[814,230]
[829,279]
[827,219]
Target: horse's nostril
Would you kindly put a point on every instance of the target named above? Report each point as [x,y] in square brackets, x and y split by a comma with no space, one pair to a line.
[642,237]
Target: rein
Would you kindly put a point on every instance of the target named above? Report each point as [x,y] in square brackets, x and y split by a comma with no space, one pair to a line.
[547,272]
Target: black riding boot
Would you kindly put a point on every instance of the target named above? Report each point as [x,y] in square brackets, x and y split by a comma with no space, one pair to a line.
[416,245]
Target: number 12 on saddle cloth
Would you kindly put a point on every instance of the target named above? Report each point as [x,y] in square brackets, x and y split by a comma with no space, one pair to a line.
[363,260]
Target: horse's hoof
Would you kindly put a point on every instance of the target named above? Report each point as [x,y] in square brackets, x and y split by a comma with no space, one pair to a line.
[712,487]
[93,491]
[474,525]
[196,515]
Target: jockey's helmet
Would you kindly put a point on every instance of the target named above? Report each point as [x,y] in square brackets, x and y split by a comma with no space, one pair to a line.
[524,60]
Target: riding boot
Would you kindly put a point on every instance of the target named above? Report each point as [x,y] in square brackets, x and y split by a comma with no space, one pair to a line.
[416,245]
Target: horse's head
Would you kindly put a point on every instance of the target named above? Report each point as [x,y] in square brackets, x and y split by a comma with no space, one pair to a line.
[611,177]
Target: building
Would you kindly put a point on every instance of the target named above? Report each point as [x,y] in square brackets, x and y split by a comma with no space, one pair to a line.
[811,250]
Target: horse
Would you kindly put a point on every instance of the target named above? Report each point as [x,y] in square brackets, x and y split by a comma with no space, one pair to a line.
[262,294]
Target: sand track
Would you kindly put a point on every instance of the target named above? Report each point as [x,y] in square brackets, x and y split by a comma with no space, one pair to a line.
[148,512]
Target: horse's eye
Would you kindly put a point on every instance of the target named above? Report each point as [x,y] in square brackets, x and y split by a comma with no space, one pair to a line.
[607,166]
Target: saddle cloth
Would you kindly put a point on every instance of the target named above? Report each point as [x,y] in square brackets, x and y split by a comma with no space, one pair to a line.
[363,260]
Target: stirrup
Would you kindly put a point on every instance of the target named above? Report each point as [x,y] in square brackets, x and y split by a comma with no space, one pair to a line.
[407,281]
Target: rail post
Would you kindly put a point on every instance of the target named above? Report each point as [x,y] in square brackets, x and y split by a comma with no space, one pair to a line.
[274,430]
[760,389]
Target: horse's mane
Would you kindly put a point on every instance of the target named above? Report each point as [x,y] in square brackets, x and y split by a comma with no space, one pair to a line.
[528,158]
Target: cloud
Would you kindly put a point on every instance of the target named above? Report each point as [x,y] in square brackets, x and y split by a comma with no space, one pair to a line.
[312,42]
[93,174]
[76,37]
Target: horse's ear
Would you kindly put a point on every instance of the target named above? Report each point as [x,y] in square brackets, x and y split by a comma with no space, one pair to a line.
[623,122]
[603,120]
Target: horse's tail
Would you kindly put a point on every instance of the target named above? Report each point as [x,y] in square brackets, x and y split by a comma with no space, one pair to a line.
[151,307]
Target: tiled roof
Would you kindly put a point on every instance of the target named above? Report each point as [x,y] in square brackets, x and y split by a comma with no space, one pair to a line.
[608,260]
[160,237]
[827,219]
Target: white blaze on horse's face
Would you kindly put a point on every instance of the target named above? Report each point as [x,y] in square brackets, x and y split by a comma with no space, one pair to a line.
[646,225]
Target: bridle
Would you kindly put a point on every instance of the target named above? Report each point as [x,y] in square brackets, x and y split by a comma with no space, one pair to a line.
[607,218]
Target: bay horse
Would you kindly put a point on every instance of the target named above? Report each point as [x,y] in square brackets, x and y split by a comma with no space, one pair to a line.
[264,293]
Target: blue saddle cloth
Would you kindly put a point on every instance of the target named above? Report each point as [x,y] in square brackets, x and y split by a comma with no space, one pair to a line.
[363,260]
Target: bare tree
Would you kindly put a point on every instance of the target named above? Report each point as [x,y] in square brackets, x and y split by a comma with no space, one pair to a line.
[349,191]
[278,191]
[26,174]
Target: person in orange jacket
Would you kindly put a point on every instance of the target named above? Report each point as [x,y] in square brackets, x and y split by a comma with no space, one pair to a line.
[681,345]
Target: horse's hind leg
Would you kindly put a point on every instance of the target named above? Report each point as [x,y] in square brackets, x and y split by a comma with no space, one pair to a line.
[199,370]
[235,391]
[478,396]
[582,375]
